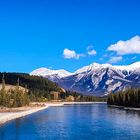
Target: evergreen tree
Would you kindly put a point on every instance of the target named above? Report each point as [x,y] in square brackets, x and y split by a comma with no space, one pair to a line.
[128,98]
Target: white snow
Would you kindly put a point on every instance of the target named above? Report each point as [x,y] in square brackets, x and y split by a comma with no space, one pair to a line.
[92,67]
[47,72]
[95,66]
[129,67]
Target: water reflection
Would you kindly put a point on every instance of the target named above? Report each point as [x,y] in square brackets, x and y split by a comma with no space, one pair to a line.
[124,111]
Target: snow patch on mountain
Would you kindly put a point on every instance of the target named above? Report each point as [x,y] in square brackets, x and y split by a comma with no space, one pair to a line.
[92,67]
[129,67]
[47,72]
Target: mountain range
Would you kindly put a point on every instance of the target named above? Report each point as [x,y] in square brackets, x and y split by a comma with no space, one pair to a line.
[95,79]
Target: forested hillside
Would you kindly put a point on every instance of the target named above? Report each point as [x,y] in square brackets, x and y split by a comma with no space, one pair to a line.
[36,85]
[39,89]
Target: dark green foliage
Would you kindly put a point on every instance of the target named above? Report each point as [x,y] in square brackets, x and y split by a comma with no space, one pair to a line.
[13,97]
[38,86]
[18,98]
[128,98]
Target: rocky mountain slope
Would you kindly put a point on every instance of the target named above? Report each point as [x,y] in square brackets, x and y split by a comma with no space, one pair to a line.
[96,79]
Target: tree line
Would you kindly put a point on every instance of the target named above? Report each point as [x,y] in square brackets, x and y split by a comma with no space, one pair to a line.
[78,97]
[127,98]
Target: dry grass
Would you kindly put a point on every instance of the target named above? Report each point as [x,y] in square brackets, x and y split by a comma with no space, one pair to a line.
[11,87]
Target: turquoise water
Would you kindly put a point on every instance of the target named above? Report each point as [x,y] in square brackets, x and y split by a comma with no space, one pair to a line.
[75,122]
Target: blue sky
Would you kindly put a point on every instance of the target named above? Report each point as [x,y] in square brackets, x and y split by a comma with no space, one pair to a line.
[68,34]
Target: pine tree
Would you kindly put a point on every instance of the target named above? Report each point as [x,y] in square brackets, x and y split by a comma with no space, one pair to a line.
[3,83]
[3,93]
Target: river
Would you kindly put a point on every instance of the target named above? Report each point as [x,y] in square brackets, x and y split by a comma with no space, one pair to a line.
[75,122]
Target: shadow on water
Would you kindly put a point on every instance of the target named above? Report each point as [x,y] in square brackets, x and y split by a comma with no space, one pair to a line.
[125,111]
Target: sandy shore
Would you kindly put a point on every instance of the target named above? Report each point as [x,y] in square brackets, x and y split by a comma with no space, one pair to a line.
[7,116]
[24,111]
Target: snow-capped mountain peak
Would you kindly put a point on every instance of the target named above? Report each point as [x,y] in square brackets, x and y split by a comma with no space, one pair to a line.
[47,72]
[62,73]
[41,71]
[130,67]
[92,67]
[95,66]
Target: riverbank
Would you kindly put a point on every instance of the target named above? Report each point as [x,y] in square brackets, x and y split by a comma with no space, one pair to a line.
[14,113]
[72,103]
[125,108]
[7,116]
